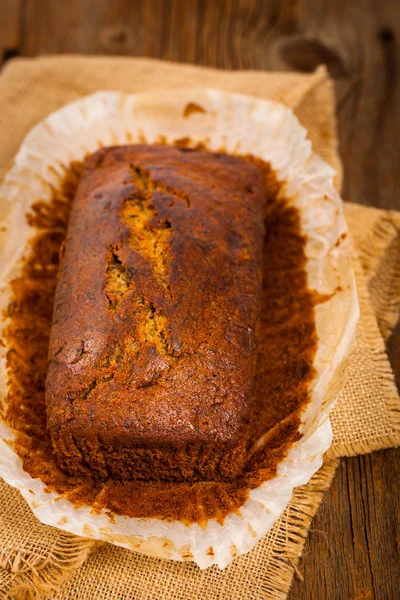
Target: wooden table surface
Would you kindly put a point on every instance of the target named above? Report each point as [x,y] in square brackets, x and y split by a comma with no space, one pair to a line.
[353,550]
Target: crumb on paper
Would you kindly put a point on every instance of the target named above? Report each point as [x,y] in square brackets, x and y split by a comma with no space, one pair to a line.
[192,108]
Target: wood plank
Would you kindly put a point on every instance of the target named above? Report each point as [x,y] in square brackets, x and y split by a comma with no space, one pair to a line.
[353,549]
[10,28]
[298,34]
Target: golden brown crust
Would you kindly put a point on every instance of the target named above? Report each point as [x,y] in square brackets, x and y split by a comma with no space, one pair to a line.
[152,349]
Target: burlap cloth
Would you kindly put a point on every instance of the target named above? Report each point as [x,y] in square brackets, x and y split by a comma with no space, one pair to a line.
[38,560]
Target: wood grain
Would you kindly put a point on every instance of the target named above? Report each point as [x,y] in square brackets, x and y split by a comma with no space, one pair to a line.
[11,13]
[357,40]
[353,550]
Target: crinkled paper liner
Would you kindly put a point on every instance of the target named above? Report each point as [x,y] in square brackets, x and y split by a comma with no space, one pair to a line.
[239,124]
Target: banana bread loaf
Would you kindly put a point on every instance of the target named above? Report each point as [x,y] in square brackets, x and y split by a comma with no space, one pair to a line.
[152,347]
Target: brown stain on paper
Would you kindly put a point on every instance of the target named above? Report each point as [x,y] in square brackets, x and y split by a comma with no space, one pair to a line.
[285,354]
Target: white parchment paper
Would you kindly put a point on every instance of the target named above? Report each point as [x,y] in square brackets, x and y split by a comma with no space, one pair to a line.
[242,125]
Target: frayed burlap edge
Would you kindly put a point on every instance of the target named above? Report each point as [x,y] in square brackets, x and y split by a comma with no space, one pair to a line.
[291,530]
[373,337]
[33,577]
[266,572]
[375,253]
[27,575]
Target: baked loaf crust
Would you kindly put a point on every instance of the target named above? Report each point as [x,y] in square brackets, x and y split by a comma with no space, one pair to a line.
[152,348]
